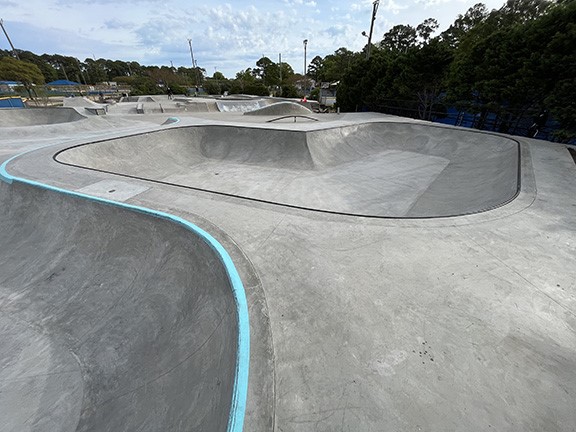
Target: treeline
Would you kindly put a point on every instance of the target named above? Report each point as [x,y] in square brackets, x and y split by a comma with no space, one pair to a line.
[506,65]
[266,78]
[39,69]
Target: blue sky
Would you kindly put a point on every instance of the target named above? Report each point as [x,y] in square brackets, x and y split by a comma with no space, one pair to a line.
[227,35]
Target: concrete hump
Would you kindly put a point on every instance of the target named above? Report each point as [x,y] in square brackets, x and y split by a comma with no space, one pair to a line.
[38,116]
[281,109]
[81,102]
[239,105]
[111,320]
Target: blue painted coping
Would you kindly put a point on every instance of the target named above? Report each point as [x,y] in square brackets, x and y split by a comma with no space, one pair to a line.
[240,391]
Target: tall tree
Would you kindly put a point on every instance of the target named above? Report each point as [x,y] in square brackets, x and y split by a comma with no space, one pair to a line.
[27,73]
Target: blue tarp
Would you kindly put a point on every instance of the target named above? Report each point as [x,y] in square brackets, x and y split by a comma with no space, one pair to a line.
[11,102]
[63,83]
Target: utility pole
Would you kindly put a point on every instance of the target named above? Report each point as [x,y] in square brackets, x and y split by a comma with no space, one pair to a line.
[374,10]
[26,86]
[305,77]
[9,41]
[280,69]
[193,62]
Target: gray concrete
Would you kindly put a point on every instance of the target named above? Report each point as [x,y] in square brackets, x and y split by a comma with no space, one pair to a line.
[110,320]
[239,105]
[373,169]
[450,324]
[280,109]
[38,116]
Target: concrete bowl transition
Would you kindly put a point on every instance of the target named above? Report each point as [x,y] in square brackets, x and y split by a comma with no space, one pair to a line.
[38,116]
[373,169]
[106,328]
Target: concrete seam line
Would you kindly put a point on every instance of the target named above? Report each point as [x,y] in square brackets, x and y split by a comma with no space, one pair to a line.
[240,390]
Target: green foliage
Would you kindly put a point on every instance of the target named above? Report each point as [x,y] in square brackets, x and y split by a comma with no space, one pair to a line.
[513,61]
[334,66]
[400,38]
[290,91]
[49,73]
[179,90]
[272,74]
[315,67]
[315,94]
[408,72]
[257,89]
[27,73]
[216,86]
[143,85]
[518,60]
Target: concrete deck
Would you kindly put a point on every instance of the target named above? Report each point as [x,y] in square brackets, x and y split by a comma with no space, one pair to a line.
[356,323]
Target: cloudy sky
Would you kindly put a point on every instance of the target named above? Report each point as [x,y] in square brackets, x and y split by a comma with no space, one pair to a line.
[227,35]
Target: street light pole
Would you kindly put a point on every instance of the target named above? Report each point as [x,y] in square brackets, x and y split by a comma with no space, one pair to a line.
[374,10]
[305,76]
[9,41]
[193,62]
[26,86]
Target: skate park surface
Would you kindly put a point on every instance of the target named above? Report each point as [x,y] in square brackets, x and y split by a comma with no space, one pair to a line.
[397,275]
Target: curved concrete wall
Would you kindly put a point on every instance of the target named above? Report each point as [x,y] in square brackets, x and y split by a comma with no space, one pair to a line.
[281,108]
[38,116]
[111,320]
[374,169]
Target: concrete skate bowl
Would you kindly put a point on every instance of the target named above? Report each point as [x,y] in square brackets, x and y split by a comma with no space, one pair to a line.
[38,116]
[111,320]
[281,109]
[375,169]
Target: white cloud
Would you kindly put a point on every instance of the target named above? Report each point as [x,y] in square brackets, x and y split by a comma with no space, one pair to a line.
[229,34]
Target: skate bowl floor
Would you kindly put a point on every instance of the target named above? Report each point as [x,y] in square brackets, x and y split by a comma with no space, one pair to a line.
[106,328]
[38,116]
[382,169]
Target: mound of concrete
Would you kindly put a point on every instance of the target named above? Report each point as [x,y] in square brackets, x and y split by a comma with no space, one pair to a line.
[280,109]
[239,105]
[81,102]
[38,116]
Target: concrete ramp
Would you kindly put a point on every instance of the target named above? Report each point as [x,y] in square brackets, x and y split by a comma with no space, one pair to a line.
[373,169]
[281,109]
[81,102]
[38,116]
[240,105]
[111,320]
